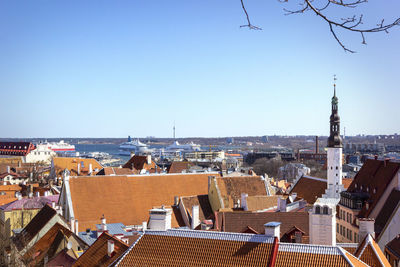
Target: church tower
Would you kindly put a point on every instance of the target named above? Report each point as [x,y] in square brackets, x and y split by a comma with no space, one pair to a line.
[323,215]
[334,153]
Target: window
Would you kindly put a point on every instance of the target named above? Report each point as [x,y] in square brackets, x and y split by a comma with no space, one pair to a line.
[325,210]
[337,228]
[351,218]
[336,167]
[341,230]
[350,235]
[317,210]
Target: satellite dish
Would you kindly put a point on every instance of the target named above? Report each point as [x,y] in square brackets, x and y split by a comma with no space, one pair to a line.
[69,245]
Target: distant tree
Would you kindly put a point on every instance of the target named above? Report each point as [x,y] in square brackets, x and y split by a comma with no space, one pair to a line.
[317,169]
[321,8]
[268,166]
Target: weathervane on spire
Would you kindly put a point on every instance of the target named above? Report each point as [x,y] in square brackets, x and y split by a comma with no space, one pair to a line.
[334,84]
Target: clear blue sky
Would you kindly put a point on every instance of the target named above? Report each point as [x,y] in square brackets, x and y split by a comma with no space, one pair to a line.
[116,68]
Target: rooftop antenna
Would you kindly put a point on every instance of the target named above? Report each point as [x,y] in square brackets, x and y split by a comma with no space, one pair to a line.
[174,132]
[344,133]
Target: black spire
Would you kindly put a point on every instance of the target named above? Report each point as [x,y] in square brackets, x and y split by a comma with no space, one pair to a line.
[334,139]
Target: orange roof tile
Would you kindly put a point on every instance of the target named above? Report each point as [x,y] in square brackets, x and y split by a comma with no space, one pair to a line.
[179,166]
[231,188]
[60,164]
[156,250]
[204,248]
[139,163]
[97,255]
[128,199]
[370,253]
[261,202]
[346,182]
[309,188]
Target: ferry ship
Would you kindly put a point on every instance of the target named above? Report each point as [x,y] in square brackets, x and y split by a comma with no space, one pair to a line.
[135,146]
[60,146]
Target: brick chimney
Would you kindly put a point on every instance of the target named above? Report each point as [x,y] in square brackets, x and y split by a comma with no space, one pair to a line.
[316,145]
[90,169]
[79,169]
[273,229]
[148,159]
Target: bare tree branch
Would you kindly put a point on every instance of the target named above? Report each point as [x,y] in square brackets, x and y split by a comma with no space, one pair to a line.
[249,25]
[351,24]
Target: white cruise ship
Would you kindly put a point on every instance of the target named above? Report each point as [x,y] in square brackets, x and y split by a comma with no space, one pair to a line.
[175,146]
[135,146]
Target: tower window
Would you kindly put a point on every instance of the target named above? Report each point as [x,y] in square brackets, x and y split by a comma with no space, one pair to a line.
[336,167]
[317,210]
[325,210]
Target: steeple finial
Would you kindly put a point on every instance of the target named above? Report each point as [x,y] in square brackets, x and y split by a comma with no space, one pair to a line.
[334,85]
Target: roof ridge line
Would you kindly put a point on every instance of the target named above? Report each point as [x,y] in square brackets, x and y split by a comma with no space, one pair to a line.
[370,240]
[118,261]
[344,255]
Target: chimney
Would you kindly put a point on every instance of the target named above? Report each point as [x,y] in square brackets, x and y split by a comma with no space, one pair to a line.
[103,223]
[90,169]
[386,161]
[132,154]
[37,194]
[76,227]
[110,247]
[79,169]
[195,217]
[53,205]
[376,157]
[176,200]
[18,195]
[72,223]
[316,145]
[160,219]
[144,226]
[8,169]
[4,183]
[30,195]
[148,159]
[273,229]
[281,204]
[366,227]
[244,201]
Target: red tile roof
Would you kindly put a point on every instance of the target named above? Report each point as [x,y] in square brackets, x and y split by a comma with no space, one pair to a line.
[309,188]
[239,221]
[16,148]
[138,163]
[179,166]
[62,163]
[394,246]
[374,175]
[205,210]
[128,199]
[204,248]
[97,253]
[387,210]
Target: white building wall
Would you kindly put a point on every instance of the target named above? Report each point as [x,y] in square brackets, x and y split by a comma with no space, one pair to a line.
[334,173]
[322,227]
[41,154]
